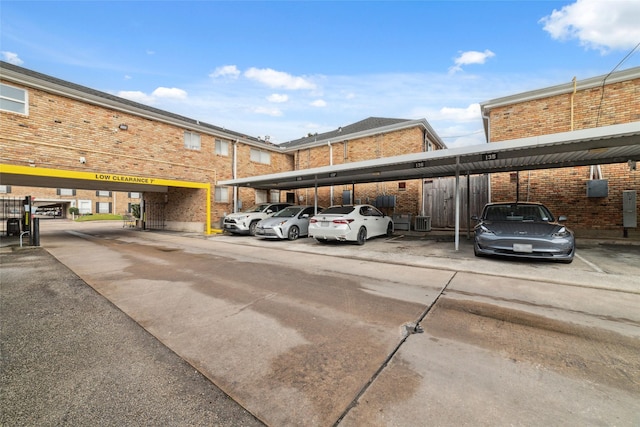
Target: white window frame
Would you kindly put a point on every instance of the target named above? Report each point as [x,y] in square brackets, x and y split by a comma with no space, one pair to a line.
[260,156]
[221,195]
[192,140]
[5,189]
[103,193]
[134,195]
[222,147]
[6,100]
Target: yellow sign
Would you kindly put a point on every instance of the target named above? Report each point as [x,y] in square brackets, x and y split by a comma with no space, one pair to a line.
[124,178]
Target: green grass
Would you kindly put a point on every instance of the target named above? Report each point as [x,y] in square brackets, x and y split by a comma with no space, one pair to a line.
[99,217]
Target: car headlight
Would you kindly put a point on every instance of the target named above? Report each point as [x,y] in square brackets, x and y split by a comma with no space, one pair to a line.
[562,232]
[283,222]
[484,229]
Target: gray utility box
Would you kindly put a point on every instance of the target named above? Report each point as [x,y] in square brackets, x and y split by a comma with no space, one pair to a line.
[402,222]
[597,188]
[629,209]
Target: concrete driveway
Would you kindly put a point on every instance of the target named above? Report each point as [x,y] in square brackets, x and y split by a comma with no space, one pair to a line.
[404,331]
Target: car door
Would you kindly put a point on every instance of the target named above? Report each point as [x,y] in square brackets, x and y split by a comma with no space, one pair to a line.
[303,223]
[377,219]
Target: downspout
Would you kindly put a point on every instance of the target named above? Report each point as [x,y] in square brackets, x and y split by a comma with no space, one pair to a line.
[485,117]
[425,142]
[330,164]
[235,175]
[572,96]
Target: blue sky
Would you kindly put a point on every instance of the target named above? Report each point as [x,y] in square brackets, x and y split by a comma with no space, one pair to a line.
[287,69]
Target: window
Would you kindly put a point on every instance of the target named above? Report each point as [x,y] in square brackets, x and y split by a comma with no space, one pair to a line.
[260,156]
[65,192]
[13,99]
[222,195]
[134,195]
[5,189]
[103,207]
[222,148]
[101,193]
[191,140]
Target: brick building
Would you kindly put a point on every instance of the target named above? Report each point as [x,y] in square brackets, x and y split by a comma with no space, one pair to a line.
[69,142]
[598,101]
[71,145]
[372,138]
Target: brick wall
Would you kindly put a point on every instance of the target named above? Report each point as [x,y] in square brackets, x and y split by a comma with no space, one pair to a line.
[408,199]
[564,189]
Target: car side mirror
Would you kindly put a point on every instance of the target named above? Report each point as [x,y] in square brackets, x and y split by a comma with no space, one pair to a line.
[269,211]
[562,218]
[305,216]
[475,218]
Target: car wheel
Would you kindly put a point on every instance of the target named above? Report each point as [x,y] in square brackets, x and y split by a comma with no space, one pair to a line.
[390,230]
[294,233]
[252,228]
[362,236]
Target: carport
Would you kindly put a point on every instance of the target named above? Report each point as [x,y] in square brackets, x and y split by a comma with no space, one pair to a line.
[596,146]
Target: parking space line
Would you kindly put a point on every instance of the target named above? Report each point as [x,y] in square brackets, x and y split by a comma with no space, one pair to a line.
[590,264]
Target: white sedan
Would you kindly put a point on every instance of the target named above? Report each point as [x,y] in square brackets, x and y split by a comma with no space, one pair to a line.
[352,223]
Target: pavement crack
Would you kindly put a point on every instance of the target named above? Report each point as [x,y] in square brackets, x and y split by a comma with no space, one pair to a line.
[409,329]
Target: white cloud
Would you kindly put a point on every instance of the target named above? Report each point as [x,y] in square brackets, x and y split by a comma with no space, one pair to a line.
[278,79]
[161,93]
[169,92]
[226,71]
[471,57]
[278,98]
[472,112]
[597,24]
[318,103]
[273,112]
[137,96]
[11,58]
[150,52]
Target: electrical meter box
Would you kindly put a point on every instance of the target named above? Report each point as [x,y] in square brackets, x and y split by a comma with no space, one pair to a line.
[629,209]
[598,188]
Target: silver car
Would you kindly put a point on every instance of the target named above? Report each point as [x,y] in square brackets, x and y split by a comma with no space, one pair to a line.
[290,223]
[522,230]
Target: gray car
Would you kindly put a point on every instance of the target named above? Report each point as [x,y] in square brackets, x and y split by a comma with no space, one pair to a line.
[290,223]
[522,230]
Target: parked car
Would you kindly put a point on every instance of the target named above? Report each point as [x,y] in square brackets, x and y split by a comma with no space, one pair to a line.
[245,222]
[290,223]
[522,230]
[353,223]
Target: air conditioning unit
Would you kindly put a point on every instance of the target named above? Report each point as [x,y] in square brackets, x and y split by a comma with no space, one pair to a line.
[423,223]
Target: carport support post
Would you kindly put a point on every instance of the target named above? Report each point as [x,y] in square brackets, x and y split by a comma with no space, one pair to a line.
[457,236]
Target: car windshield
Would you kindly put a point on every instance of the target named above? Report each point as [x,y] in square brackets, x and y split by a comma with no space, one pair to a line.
[257,208]
[289,212]
[517,212]
[338,210]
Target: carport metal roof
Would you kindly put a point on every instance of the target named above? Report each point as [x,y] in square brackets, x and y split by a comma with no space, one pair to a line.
[607,144]
[602,145]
